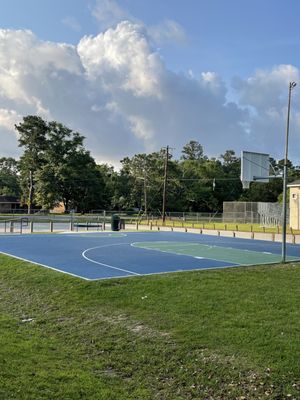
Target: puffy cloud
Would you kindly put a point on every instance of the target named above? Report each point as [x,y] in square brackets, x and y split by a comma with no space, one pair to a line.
[121,59]
[115,89]
[265,94]
[109,13]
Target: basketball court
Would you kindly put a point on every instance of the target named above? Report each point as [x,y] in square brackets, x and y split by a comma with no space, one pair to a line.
[103,255]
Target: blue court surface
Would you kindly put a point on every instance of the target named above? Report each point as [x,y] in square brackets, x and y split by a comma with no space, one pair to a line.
[102,255]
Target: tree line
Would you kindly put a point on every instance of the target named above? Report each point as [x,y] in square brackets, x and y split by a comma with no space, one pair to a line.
[56,168]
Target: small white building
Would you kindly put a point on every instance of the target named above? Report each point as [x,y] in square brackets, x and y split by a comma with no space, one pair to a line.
[294,204]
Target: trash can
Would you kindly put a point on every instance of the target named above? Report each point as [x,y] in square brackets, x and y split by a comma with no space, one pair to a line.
[115,222]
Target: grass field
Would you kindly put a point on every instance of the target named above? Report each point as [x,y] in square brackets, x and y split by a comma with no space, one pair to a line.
[231,226]
[226,334]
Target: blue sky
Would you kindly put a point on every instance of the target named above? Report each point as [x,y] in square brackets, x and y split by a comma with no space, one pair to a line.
[212,52]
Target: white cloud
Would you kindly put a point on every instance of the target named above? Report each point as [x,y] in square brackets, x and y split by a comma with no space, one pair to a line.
[8,119]
[266,93]
[109,14]
[121,58]
[115,90]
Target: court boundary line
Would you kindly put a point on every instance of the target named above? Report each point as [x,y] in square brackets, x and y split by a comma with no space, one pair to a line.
[188,255]
[179,271]
[214,259]
[45,266]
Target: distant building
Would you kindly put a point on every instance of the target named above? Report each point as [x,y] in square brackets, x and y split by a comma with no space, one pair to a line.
[59,209]
[294,204]
[9,204]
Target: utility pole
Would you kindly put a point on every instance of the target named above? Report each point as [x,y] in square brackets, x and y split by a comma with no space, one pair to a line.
[285,174]
[30,194]
[145,194]
[165,186]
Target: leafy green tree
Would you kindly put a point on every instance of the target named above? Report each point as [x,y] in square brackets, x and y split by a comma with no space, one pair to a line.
[193,150]
[68,174]
[144,173]
[9,177]
[110,180]
[230,187]
[265,192]
[32,138]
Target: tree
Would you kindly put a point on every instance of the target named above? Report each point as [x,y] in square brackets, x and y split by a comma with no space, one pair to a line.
[144,175]
[68,173]
[110,186]
[32,137]
[265,192]
[9,177]
[193,151]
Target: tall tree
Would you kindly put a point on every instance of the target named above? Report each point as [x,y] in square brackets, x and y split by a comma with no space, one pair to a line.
[69,174]
[32,137]
[193,150]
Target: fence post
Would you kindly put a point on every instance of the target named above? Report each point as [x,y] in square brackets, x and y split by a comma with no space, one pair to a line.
[31,226]
[51,226]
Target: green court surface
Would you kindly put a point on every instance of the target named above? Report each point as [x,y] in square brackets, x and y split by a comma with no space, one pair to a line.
[228,254]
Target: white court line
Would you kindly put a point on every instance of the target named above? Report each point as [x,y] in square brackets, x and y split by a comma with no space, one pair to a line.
[46,266]
[107,265]
[134,244]
[181,255]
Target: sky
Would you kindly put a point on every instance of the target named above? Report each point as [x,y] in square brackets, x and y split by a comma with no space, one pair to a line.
[133,76]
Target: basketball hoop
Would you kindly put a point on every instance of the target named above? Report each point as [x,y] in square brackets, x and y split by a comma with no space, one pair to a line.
[254,167]
[246,184]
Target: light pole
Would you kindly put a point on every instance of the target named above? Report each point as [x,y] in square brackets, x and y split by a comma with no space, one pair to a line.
[285,174]
[165,186]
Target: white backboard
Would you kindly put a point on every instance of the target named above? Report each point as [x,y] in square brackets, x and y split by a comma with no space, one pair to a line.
[254,167]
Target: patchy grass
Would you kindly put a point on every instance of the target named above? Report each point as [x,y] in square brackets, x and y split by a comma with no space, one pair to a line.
[227,334]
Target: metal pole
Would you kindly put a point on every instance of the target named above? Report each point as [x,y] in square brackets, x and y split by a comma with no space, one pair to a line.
[165,186]
[285,175]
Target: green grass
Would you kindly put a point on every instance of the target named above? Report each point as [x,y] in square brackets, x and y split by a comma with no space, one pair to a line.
[227,334]
[219,226]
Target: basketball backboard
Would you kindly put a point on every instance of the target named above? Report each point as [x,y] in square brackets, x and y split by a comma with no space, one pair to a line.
[254,167]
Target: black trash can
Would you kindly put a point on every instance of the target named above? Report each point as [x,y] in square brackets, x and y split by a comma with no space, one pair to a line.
[115,222]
